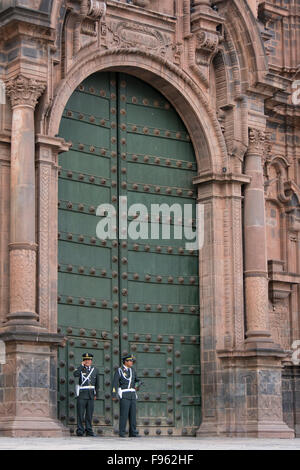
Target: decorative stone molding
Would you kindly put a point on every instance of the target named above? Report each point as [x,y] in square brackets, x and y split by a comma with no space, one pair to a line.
[280,282]
[24,91]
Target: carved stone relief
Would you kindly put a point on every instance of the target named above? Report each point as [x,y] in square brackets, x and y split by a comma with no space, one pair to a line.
[127,34]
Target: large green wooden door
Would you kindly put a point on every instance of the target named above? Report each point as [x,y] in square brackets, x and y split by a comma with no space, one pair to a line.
[128,295]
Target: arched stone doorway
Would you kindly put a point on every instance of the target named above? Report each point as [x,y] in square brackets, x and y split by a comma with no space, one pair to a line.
[192,106]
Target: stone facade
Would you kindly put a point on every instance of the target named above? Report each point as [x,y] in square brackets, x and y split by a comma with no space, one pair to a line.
[230,69]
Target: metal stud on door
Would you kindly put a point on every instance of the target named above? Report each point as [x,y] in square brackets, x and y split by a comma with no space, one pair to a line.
[127,294]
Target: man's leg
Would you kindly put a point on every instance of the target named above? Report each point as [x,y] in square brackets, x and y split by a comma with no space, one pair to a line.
[124,410]
[89,417]
[80,416]
[132,419]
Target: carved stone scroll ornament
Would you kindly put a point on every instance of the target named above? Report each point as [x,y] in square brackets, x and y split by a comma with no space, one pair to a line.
[97,9]
[206,46]
[92,8]
[84,21]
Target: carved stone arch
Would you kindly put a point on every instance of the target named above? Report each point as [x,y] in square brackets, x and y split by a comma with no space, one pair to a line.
[58,7]
[220,80]
[251,52]
[282,217]
[182,92]
[232,60]
[231,105]
[280,162]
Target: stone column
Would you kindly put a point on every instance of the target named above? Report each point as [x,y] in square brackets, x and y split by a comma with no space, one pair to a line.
[23,93]
[256,269]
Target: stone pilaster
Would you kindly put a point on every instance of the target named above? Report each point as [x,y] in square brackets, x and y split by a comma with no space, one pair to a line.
[47,198]
[221,290]
[4,223]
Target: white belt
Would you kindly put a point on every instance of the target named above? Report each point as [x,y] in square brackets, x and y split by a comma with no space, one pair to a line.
[87,386]
[121,391]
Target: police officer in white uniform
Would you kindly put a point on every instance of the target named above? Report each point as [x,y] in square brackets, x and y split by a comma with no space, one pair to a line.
[87,390]
[124,387]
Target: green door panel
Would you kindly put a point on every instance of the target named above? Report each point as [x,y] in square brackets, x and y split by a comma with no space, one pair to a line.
[124,295]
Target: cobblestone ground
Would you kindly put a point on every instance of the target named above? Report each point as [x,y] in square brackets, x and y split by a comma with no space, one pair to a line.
[150,443]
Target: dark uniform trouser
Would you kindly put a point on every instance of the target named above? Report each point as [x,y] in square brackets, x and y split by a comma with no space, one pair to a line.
[127,410]
[85,410]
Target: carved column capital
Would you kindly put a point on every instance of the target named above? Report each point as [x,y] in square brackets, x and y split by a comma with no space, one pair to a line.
[24,91]
[260,144]
[257,141]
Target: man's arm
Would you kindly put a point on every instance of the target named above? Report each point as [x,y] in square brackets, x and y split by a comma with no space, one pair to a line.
[78,371]
[137,381]
[115,385]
